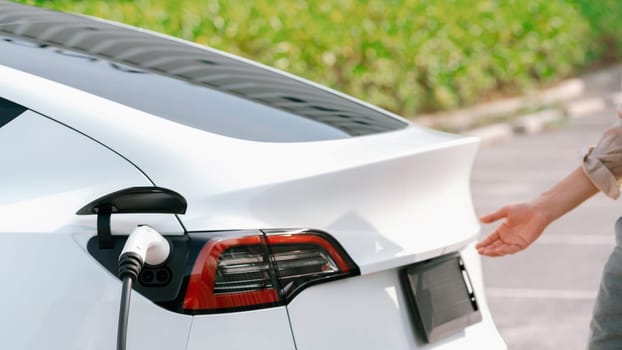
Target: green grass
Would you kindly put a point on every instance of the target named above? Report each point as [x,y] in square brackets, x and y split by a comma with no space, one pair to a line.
[408,56]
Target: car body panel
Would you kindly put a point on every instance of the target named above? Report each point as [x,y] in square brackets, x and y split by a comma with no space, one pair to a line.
[256,329]
[322,316]
[390,199]
[53,302]
[55,293]
[50,172]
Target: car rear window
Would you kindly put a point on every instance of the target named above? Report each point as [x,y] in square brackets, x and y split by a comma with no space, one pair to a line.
[212,92]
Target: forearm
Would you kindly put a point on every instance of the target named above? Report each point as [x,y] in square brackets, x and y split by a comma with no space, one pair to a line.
[566,195]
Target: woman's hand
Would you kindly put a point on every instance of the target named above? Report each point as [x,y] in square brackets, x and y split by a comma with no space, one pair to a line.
[523,224]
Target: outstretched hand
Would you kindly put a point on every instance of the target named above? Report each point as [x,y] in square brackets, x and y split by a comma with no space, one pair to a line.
[523,224]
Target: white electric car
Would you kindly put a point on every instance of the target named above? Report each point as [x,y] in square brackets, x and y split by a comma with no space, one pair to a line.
[297,217]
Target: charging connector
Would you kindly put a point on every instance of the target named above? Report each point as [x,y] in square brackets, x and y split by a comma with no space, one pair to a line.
[148,245]
[144,245]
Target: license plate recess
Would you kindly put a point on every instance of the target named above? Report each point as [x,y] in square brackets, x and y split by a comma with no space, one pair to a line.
[440,297]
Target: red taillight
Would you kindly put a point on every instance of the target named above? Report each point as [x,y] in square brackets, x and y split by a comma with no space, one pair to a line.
[260,271]
[230,273]
[302,259]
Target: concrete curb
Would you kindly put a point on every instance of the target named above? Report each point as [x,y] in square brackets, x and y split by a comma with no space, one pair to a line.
[573,98]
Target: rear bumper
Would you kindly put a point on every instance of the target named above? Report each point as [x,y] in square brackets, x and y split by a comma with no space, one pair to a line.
[371,312]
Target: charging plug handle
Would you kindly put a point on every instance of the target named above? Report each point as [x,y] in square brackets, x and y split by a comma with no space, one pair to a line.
[148,245]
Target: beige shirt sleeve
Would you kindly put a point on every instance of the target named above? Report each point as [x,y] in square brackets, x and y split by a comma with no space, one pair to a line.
[603,162]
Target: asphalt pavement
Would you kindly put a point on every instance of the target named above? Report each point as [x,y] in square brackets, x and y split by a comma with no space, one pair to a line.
[542,298]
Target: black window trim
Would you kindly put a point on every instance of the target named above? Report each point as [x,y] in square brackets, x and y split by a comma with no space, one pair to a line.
[9,110]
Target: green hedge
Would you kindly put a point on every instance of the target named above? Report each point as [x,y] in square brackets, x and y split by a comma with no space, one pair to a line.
[604,43]
[408,56]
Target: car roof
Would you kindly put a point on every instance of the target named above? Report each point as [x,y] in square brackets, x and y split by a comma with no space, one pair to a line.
[141,51]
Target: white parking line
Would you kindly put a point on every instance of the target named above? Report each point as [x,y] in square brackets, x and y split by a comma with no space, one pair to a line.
[529,293]
[577,239]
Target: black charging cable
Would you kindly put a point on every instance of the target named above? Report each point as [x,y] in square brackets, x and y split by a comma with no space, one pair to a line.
[130,265]
[144,245]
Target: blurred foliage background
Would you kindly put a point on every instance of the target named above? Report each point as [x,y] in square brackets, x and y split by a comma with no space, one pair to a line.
[408,56]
